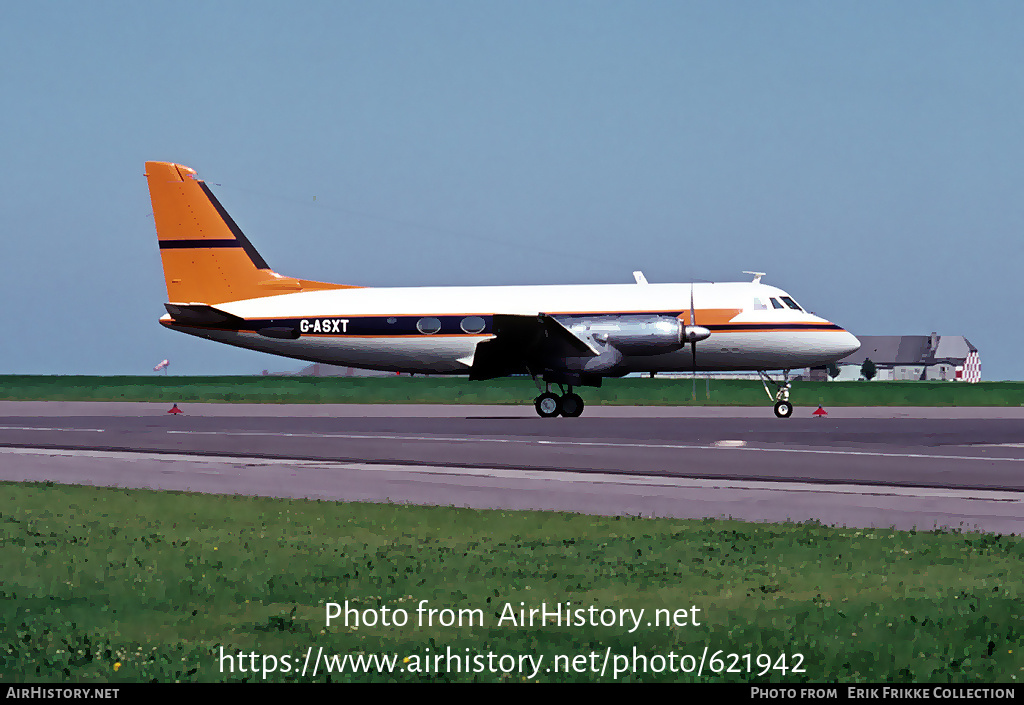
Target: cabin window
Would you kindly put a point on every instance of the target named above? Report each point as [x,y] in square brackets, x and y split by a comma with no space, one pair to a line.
[472,324]
[791,303]
[776,304]
[759,305]
[428,325]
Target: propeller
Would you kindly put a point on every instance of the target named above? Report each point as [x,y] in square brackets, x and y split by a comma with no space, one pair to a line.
[693,332]
[693,345]
[693,323]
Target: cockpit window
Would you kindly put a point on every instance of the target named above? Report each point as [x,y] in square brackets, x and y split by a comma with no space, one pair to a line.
[776,304]
[791,303]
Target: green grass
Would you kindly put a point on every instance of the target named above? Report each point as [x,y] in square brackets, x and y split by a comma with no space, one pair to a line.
[459,390]
[116,585]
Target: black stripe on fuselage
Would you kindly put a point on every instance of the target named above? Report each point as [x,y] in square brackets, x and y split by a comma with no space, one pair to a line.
[386,326]
[198,244]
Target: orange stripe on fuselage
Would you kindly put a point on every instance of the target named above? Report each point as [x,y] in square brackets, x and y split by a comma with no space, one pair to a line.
[710,316]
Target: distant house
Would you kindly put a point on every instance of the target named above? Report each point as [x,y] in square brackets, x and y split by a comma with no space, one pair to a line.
[915,357]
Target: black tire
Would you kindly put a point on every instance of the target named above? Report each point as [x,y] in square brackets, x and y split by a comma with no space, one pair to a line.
[572,405]
[783,409]
[548,405]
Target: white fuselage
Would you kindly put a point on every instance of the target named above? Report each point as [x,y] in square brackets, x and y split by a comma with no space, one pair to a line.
[376,328]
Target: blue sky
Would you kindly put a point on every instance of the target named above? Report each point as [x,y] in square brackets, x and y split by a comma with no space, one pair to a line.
[867,156]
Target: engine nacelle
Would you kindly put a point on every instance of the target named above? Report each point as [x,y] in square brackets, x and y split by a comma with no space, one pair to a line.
[635,335]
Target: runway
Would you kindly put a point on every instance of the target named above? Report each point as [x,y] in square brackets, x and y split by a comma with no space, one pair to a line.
[907,467]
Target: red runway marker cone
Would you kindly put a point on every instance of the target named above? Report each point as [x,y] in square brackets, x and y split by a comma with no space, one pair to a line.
[175,410]
[819,412]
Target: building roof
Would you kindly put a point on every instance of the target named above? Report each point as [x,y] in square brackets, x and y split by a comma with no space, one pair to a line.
[953,347]
[889,350]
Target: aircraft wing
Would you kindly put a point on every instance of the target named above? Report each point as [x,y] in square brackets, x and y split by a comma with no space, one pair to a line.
[525,343]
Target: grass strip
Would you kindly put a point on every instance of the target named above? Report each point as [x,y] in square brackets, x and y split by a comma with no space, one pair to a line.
[519,390]
[133,585]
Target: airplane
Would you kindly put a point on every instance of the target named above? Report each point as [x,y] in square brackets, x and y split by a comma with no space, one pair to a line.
[220,288]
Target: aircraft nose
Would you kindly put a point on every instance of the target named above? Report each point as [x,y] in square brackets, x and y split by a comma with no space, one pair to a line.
[846,345]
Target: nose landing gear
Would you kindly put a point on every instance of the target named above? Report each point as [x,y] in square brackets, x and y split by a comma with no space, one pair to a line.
[783,407]
[549,404]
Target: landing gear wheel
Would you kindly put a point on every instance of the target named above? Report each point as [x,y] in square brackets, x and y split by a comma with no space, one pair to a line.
[783,409]
[548,405]
[572,405]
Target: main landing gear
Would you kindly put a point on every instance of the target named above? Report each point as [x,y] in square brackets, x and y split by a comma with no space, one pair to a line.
[549,404]
[783,407]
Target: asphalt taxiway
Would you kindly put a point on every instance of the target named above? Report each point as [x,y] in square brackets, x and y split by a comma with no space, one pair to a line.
[957,467]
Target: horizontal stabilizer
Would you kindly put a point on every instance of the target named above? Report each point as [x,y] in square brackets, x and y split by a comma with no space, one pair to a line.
[203,315]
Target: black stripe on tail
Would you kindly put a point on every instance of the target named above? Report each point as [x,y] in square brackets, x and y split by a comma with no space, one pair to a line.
[197,244]
[243,241]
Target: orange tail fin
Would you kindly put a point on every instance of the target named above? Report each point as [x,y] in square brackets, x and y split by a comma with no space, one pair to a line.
[206,257]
